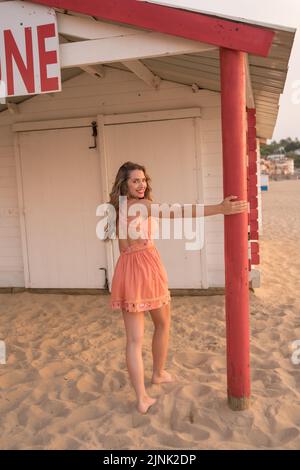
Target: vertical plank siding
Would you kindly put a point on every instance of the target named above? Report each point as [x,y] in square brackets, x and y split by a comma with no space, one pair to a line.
[118,92]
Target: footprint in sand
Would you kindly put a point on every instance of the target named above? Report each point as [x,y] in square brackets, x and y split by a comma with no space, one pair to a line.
[17,377]
[195,390]
[34,418]
[172,441]
[259,439]
[84,413]
[289,412]
[56,408]
[190,359]
[274,336]
[90,382]
[23,416]
[184,419]
[208,362]
[114,381]
[54,369]
[115,442]
[286,436]
[273,386]
[41,440]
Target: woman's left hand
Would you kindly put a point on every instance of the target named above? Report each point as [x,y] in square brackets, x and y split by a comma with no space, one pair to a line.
[229,207]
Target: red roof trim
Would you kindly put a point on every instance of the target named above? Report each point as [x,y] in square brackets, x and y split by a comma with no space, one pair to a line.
[187,24]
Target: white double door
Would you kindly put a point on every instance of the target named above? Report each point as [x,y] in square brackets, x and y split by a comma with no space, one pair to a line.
[168,150]
[61,187]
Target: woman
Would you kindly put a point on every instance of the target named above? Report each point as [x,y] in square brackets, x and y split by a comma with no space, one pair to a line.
[140,280]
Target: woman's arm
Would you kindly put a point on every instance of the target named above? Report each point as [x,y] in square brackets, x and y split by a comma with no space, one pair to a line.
[227,207]
[172,211]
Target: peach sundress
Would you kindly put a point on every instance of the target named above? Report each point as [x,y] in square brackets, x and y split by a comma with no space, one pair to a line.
[140,281]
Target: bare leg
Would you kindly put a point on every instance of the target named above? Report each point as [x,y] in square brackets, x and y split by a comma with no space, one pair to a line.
[134,324]
[161,318]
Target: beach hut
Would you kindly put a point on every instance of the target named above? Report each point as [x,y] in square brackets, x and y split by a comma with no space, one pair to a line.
[188,94]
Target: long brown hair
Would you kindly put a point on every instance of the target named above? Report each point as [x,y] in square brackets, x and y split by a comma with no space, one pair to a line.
[120,187]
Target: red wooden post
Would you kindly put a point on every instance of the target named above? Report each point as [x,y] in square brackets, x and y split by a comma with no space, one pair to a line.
[233,97]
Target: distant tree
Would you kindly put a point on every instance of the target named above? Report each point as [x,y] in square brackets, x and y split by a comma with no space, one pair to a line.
[296,159]
[292,146]
[284,146]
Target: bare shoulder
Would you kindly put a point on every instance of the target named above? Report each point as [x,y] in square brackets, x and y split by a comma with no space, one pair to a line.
[138,203]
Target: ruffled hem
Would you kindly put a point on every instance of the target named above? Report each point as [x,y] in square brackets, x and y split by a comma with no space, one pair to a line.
[142,306]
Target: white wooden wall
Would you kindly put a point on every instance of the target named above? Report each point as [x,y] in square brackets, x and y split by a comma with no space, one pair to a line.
[11,264]
[213,193]
[118,92]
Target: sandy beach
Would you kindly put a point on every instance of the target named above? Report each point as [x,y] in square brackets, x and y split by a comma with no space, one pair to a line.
[65,384]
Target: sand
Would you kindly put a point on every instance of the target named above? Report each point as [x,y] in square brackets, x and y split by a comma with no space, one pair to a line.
[65,384]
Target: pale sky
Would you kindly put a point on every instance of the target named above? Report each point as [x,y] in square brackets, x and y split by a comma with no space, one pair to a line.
[276,12]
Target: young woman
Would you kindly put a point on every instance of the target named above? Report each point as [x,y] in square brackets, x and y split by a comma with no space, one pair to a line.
[140,280]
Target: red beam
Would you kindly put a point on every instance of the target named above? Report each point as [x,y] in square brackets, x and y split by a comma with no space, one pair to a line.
[252,183]
[255,259]
[187,24]
[252,190]
[252,163]
[233,96]
[253,203]
[254,214]
[253,225]
[254,235]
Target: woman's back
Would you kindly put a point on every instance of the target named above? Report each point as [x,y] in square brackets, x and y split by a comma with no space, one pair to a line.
[135,229]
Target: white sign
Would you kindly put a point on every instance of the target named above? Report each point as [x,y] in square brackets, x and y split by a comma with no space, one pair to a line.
[29,47]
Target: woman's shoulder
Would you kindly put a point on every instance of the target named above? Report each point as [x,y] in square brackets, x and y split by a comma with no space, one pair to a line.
[141,202]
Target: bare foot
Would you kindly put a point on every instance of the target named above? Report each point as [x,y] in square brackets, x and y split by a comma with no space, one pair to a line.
[163,377]
[144,404]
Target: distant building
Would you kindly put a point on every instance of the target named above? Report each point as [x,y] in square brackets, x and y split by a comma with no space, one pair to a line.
[276,157]
[277,165]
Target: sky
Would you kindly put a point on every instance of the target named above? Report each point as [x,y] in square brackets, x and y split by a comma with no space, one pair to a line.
[275,12]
